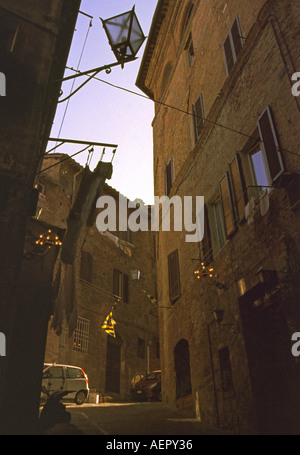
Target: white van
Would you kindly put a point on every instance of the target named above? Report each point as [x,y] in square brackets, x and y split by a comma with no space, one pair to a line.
[66,378]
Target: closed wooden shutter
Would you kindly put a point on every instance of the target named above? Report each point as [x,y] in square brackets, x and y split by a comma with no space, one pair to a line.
[227,205]
[236,37]
[232,45]
[198,113]
[174,276]
[270,144]
[125,288]
[168,176]
[228,54]
[117,283]
[205,245]
[239,188]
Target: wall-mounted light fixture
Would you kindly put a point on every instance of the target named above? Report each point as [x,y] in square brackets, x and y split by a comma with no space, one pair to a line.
[208,274]
[42,245]
[125,37]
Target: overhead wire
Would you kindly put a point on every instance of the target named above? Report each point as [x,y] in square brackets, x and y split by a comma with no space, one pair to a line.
[233,130]
[79,62]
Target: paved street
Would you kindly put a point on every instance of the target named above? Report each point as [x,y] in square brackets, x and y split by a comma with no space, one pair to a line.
[134,419]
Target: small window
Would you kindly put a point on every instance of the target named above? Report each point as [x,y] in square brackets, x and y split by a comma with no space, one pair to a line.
[169,176]
[86,266]
[125,288]
[219,226]
[189,49]
[270,145]
[174,276]
[238,187]
[121,285]
[166,76]
[227,205]
[127,236]
[206,254]
[81,335]
[233,45]
[117,283]
[258,167]
[141,348]
[198,116]
[186,19]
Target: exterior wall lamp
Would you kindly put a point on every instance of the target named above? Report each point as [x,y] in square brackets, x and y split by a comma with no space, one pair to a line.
[43,244]
[125,37]
[207,273]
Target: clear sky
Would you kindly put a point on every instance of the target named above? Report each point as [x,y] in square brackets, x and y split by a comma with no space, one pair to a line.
[101,113]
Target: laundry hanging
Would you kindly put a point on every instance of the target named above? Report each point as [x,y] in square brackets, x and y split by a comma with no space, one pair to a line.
[84,208]
[126,247]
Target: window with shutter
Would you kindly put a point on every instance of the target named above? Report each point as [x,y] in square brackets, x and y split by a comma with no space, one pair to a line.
[206,252]
[174,276]
[117,283]
[198,113]
[86,266]
[189,48]
[125,288]
[239,187]
[270,144]
[227,205]
[168,176]
[233,45]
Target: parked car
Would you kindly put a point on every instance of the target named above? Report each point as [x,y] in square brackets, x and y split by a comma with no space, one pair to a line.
[149,387]
[66,378]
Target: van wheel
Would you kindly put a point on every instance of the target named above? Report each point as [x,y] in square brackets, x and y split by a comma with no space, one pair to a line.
[80,397]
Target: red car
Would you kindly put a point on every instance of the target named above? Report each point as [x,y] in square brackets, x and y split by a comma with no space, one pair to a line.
[149,387]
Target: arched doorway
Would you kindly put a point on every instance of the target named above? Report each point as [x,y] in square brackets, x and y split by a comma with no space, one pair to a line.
[113,364]
[182,369]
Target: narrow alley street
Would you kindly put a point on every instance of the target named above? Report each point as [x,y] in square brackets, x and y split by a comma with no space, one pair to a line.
[135,419]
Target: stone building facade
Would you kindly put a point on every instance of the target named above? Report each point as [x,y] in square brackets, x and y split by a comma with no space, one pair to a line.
[104,279]
[226,128]
[35,38]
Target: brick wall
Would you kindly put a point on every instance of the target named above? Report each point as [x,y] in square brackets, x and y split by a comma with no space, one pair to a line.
[232,105]
[135,319]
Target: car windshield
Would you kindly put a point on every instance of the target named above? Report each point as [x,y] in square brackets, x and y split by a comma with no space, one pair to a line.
[151,376]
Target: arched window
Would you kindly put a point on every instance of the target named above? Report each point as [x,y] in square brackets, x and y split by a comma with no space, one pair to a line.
[166,77]
[182,369]
[186,19]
